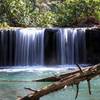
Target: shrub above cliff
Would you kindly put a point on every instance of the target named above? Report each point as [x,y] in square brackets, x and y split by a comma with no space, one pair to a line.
[51,13]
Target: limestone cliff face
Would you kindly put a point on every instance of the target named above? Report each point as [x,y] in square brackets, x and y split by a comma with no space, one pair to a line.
[93,45]
[7,47]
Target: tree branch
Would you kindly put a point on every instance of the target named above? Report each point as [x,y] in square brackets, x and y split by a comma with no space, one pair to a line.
[67,80]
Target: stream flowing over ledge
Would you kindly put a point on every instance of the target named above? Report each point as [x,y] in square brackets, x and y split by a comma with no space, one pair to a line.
[41,46]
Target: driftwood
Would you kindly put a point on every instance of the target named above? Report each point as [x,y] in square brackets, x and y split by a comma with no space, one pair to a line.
[56,77]
[73,78]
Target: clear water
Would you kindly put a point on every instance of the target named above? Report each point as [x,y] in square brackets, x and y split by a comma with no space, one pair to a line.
[16,77]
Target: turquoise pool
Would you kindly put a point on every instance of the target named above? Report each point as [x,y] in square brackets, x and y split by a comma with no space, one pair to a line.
[12,84]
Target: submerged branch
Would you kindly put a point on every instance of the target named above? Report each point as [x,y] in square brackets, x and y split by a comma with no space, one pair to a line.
[77,86]
[89,86]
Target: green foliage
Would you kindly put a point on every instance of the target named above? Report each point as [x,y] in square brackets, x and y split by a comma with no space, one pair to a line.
[44,19]
[72,11]
[4,25]
[17,11]
[47,13]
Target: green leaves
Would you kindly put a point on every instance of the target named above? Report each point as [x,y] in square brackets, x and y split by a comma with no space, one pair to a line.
[47,13]
[44,19]
[73,11]
[17,11]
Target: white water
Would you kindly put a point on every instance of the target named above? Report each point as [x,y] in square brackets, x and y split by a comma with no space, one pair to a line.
[29,46]
[26,46]
[38,68]
[72,47]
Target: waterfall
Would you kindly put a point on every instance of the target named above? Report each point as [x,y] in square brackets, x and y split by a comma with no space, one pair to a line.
[72,45]
[30,46]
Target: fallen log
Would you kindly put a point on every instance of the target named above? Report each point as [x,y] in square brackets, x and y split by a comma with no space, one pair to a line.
[56,77]
[73,79]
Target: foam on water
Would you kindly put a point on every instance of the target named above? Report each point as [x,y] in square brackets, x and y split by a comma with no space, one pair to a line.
[37,68]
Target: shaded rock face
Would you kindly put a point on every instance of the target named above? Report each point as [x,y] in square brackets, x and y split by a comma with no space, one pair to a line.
[50,46]
[7,47]
[87,22]
[93,45]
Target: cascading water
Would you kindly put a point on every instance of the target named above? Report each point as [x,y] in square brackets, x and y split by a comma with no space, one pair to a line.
[27,46]
[72,46]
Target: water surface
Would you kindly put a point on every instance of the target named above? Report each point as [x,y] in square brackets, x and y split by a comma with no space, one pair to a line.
[10,90]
